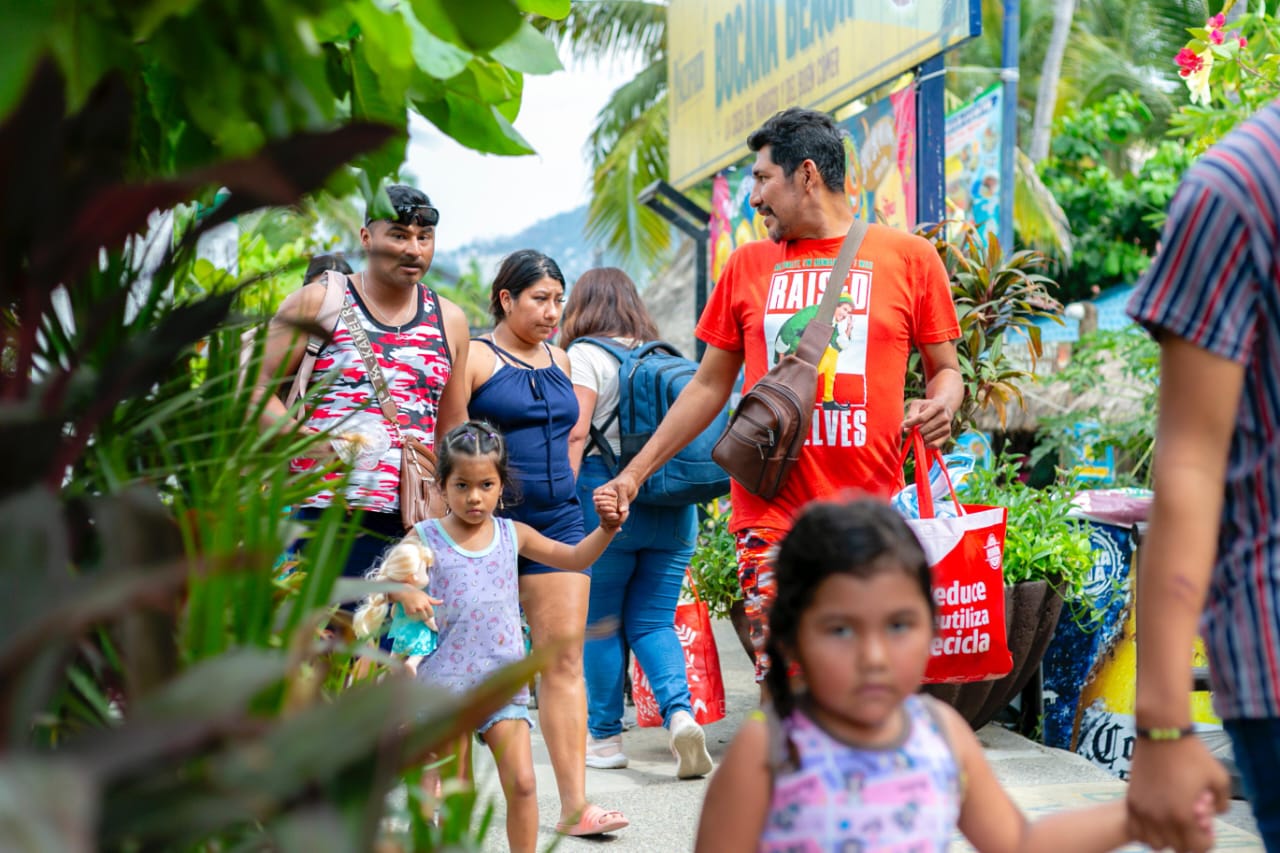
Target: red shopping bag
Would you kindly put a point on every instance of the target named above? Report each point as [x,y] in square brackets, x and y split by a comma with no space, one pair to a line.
[701,665]
[966,557]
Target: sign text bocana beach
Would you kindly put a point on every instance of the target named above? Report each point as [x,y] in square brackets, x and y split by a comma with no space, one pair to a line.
[734,63]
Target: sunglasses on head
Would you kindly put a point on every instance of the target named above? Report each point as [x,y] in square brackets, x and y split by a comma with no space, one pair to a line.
[422,215]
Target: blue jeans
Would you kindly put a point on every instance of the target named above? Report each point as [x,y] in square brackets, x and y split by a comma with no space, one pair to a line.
[1256,749]
[635,586]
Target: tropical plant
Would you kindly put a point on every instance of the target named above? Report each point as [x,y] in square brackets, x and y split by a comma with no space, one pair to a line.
[1042,541]
[1230,73]
[470,292]
[714,566]
[160,686]
[219,78]
[1114,203]
[1127,423]
[627,147]
[994,295]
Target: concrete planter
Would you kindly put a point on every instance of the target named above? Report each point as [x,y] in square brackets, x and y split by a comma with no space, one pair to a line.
[1031,611]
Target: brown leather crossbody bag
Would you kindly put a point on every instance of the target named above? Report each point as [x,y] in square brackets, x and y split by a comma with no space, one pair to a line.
[767,430]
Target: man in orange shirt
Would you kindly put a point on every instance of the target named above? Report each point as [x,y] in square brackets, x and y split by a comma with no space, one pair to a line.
[898,297]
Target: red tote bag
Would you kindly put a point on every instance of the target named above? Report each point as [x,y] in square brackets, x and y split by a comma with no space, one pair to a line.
[701,665]
[965,555]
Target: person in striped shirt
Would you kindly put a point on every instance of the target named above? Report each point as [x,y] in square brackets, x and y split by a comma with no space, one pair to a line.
[1212,299]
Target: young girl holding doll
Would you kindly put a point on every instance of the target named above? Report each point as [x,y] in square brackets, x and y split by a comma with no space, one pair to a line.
[478,617]
[850,756]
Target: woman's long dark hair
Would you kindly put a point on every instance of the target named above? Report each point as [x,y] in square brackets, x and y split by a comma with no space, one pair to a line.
[862,538]
[519,271]
[604,303]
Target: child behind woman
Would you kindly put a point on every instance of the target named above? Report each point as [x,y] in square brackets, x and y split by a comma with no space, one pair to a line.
[851,756]
[478,617]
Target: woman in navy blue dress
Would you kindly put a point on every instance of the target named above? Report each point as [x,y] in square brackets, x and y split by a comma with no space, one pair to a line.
[520,383]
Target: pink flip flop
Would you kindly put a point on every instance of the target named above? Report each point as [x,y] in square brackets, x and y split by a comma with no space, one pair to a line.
[594,821]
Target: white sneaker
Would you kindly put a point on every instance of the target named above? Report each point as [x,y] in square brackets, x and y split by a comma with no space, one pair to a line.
[606,754]
[689,746]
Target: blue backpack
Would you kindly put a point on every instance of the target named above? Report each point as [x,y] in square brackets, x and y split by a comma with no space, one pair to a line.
[650,377]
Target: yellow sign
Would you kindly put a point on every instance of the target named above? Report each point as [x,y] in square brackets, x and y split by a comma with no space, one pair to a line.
[734,63]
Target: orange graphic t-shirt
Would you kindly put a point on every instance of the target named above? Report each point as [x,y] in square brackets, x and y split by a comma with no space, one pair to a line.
[897,296]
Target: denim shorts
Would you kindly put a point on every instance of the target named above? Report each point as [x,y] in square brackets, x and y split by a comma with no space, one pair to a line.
[511,711]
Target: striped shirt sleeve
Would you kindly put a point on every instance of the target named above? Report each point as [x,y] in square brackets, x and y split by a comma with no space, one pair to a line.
[1203,284]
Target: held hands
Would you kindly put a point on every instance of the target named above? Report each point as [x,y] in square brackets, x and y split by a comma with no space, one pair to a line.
[934,419]
[1175,788]
[617,495]
[606,502]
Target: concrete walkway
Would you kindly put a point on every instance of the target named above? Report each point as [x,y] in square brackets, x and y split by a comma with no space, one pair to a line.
[664,811]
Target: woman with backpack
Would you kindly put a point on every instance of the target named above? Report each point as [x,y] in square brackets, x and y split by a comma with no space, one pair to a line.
[635,584]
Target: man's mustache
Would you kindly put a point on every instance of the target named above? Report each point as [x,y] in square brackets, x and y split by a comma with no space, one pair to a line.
[385,255]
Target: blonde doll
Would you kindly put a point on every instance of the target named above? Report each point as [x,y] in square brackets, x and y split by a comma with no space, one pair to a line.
[408,562]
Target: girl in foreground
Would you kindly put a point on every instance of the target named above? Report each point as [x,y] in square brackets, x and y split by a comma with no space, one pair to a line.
[851,756]
[474,577]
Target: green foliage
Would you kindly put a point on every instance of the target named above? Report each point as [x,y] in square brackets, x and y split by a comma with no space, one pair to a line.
[1041,542]
[218,78]
[1134,359]
[158,680]
[470,291]
[714,567]
[1233,81]
[1114,206]
[628,144]
[993,295]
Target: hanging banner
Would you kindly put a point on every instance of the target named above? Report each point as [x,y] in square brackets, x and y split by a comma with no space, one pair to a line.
[973,162]
[879,175]
[879,178]
[734,63]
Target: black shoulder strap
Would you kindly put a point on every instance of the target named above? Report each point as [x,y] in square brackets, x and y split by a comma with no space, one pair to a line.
[596,438]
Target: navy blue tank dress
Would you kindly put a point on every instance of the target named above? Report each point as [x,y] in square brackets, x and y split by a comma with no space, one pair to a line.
[535,408]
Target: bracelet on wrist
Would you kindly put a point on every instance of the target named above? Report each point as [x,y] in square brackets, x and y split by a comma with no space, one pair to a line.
[1164,733]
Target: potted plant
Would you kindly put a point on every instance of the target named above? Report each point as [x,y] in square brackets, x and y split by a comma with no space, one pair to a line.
[1046,553]
[714,569]
[1047,559]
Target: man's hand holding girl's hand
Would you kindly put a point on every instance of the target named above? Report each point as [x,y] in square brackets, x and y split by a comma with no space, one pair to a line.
[612,517]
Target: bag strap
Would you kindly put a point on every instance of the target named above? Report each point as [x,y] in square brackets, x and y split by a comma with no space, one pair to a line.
[596,437]
[335,288]
[817,335]
[925,457]
[360,338]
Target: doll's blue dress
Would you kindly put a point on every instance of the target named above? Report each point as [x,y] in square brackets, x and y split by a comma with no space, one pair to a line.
[411,636]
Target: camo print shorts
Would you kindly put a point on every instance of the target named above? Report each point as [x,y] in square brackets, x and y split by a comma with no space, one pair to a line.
[757,547]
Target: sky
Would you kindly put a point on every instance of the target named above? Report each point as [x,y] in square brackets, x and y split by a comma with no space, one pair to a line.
[481,196]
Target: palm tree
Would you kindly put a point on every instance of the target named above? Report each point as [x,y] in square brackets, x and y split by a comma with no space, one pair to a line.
[1114,45]
[1128,46]
[1051,72]
[628,145]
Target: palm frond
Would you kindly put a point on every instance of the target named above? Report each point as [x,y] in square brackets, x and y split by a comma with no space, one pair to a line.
[612,29]
[1038,218]
[614,216]
[626,105]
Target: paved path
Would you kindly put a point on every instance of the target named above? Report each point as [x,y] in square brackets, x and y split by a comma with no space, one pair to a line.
[664,811]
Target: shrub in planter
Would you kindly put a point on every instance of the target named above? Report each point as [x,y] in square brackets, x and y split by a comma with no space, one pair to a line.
[714,568]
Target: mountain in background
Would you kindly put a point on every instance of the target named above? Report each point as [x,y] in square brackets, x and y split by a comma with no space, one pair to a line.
[561,237]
